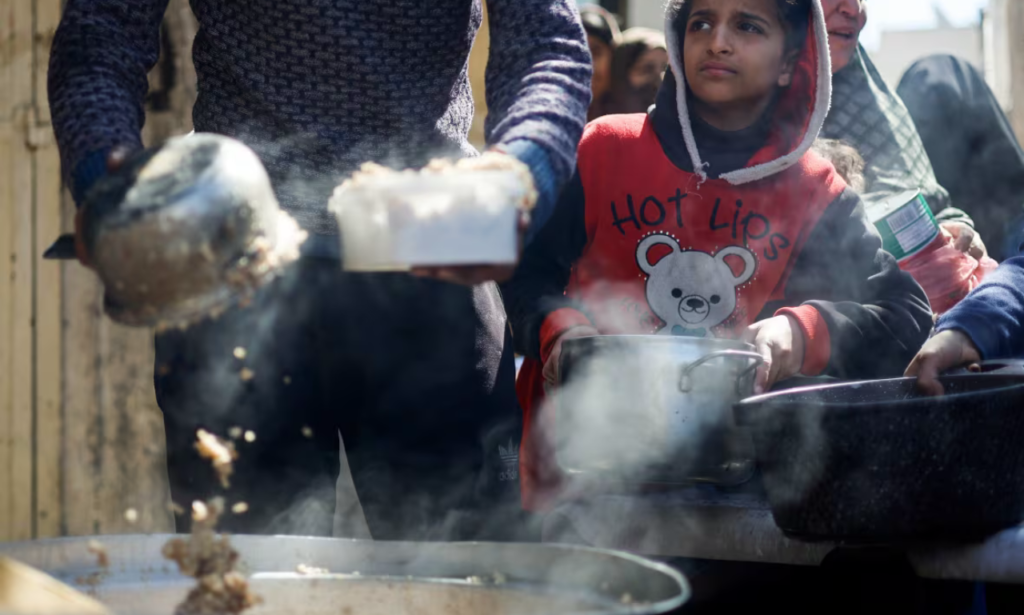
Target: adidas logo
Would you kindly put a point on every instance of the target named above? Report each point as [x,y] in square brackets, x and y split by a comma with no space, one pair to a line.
[510,458]
[509,453]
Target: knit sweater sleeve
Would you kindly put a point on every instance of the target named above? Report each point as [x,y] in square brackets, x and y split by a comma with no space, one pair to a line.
[101,54]
[538,78]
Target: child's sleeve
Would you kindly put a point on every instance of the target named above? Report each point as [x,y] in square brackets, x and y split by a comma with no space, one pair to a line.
[862,317]
[535,296]
[993,315]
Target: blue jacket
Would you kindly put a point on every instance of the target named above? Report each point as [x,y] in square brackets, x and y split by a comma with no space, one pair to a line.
[993,315]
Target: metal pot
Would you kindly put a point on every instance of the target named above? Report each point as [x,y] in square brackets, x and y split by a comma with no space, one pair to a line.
[654,409]
[878,461]
[182,230]
[375,578]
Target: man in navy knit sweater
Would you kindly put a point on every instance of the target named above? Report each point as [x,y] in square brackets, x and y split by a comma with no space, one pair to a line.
[416,374]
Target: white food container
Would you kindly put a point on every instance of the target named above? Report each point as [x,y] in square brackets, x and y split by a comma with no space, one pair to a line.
[394,221]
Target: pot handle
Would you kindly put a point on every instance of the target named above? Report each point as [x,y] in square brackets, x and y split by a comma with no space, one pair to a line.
[685,382]
[994,367]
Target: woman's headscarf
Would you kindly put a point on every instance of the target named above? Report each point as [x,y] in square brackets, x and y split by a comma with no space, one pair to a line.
[868,115]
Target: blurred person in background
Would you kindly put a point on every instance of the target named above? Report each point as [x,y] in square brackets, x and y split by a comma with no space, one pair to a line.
[867,115]
[638,68]
[416,374]
[971,145]
[603,38]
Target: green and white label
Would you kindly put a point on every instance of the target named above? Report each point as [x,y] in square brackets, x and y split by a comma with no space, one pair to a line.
[905,228]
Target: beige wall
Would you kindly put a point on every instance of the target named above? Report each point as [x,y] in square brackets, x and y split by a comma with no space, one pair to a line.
[81,437]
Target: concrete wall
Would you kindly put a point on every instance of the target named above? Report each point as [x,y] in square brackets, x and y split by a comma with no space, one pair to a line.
[899,49]
[646,13]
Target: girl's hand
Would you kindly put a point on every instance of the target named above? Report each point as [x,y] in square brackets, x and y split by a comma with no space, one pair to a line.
[551,367]
[781,342]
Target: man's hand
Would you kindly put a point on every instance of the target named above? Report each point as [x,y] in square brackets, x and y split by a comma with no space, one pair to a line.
[945,351]
[966,239]
[115,159]
[471,275]
[781,342]
[551,367]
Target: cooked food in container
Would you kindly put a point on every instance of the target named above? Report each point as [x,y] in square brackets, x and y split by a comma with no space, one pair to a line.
[463,213]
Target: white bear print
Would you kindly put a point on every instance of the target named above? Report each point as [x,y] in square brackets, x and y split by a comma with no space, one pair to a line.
[692,291]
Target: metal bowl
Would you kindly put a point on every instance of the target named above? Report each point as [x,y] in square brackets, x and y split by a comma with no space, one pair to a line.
[376,578]
[649,409]
[184,229]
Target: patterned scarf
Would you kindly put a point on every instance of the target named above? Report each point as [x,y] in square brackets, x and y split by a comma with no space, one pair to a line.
[869,116]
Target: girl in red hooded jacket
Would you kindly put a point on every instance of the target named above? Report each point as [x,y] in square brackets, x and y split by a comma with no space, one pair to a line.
[711,216]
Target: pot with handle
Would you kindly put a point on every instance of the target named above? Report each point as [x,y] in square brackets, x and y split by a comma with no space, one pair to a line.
[878,461]
[182,231]
[648,409]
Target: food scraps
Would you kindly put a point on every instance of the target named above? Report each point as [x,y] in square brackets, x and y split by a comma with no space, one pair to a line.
[221,452]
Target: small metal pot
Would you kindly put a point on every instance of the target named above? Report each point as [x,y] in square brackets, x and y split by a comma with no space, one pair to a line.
[655,409]
[182,230]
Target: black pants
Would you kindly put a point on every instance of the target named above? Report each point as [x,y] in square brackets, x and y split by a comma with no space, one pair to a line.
[971,145]
[417,375]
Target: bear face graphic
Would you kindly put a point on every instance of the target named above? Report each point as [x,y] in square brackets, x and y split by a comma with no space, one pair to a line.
[690,290]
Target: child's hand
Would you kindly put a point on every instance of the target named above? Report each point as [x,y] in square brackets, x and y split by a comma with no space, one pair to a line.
[946,350]
[551,368]
[781,342]
[966,239]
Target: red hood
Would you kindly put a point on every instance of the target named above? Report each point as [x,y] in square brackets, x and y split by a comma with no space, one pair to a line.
[801,108]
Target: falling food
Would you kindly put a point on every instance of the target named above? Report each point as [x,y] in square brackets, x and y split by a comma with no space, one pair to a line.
[240,508]
[250,436]
[246,374]
[240,353]
[220,452]
[307,431]
[175,508]
[131,515]
[211,560]
[235,433]
[287,380]
[100,551]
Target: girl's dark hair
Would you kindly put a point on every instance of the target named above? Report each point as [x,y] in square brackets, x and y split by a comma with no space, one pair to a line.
[598,22]
[795,16]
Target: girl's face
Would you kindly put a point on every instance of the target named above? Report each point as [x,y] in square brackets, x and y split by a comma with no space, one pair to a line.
[734,56]
[649,69]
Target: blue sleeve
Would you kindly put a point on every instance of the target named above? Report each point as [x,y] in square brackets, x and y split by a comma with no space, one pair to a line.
[97,82]
[538,286]
[538,91]
[993,314]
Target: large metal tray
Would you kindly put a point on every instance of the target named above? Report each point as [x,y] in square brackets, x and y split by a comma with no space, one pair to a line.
[375,578]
